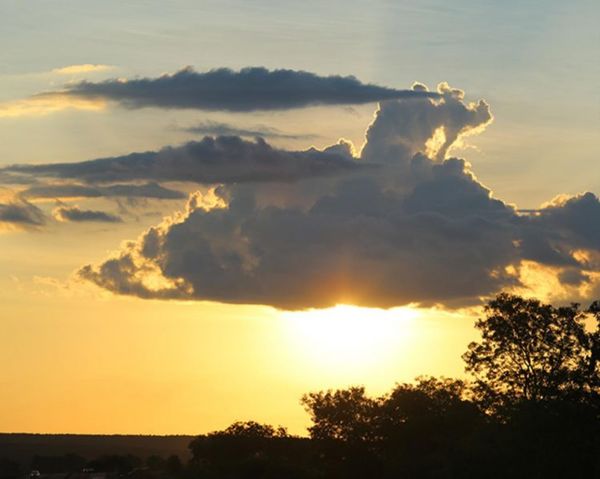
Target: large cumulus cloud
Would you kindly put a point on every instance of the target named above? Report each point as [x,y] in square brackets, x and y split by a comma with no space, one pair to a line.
[403,128]
[420,228]
[246,90]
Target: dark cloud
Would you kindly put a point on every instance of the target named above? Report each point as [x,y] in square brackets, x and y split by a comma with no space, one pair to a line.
[418,229]
[573,276]
[575,220]
[357,245]
[224,159]
[262,131]
[8,178]
[21,213]
[246,90]
[553,233]
[148,190]
[77,215]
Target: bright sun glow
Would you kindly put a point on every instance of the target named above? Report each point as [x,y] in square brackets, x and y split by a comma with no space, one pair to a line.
[348,338]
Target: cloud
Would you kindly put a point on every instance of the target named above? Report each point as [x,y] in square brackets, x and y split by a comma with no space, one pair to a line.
[46,103]
[223,129]
[73,190]
[356,245]
[561,228]
[19,213]
[245,90]
[222,89]
[77,215]
[225,159]
[419,228]
[83,68]
[403,129]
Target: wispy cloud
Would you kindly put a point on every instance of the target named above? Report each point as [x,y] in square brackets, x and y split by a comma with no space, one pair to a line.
[75,190]
[20,214]
[224,129]
[75,214]
[82,68]
[44,104]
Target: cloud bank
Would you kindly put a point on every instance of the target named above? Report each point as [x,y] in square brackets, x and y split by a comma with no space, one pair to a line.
[419,229]
[402,222]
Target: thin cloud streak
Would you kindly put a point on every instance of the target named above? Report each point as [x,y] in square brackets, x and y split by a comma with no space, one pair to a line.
[246,90]
[48,103]
[82,68]
[74,190]
[224,129]
[78,215]
[19,213]
[224,159]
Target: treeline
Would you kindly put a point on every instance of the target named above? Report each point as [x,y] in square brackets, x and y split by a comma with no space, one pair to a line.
[22,446]
[529,408]
[63,453]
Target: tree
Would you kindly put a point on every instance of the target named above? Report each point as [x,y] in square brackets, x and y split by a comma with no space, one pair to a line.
[593,345]
[344,415]
[155,463]
[249,450]
[344,431]
[174,466]
[252,430]
[432,406]
[56,464]
[536,373]
[533,352]
[115,463]
[428,429]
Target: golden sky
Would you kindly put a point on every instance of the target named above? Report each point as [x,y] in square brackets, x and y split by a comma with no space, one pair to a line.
[165,272]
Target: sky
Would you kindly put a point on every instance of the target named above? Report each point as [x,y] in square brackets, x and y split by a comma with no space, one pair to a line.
[208,209]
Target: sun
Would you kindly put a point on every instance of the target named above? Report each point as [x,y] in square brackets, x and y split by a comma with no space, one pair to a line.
[349,340]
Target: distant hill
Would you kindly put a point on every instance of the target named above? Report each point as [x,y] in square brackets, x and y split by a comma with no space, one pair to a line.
[22,447]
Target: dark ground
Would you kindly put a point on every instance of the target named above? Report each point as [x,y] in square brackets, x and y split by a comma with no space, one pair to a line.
[22,447]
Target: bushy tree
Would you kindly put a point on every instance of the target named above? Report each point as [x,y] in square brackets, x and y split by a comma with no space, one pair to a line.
[536,375]
[344,415]
[532,352]
[250,450]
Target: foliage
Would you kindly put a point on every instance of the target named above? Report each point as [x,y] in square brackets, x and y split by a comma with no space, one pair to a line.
[533,352]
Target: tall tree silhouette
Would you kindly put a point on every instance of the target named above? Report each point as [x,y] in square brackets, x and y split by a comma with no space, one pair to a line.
[533,352]
[536,374]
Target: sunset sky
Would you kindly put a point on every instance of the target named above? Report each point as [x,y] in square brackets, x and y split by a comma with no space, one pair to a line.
[208,209]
